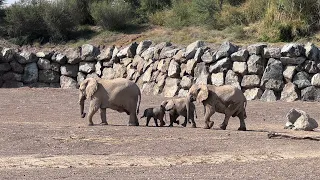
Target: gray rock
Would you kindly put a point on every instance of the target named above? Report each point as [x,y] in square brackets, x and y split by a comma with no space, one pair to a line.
[55,67]
[315,81]
[154,76]
[12,76]
[240,67]
[300,120]
[163,66]
[241,56]
[272,52]
[161,79]
[289,93]
[158,49]
[130,73]
[312,51]
[222,65]
[179,57]
[289,72]
[186,82]
[255,65]
[292,60]
[268,96]
[202,78]
[148,64]
[69,70]
[30,74]
[183,70]
[68,83]
[89,52]
[62,59]
[168,52]
[143,45]
[45,54]
[250,81]
[115,52]
[208,57]
[310,93]
[92,75]
[148,54]
[292,50]
[119,71]
[256,49]
[105,54]
[148,88]
[199,54]
[191,64]
[192,49]
[232,79]
[147,75]
[200,70]
[87,67]
[44,64]
[310,66]
[108,73]
[225,50]
[272,77]
[302,80]
[12,84]
[26,57]
[80,77]
[217,79]
[136,60]
[16,67]
[253,94]
[73,55]
[7,55]
[129,51]
[49,76]
[183,93]
[174,69]
[171,87]
[4,67]
[98,68]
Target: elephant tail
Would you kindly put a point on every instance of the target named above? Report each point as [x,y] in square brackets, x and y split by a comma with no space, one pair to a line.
[139,101]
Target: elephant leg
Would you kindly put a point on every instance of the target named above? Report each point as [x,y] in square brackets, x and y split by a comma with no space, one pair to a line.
[103,116]
[209,112]
[184,124]
[241,116]
[194,125]
[133,120]
[173,119]
[224,124]
[232,109]
[92,110]
[148,120]
[162,123]
[156,122]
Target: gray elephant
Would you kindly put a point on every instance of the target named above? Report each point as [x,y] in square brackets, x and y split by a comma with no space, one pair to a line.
[118,94]
[178,107]
[226,99]
[157,113]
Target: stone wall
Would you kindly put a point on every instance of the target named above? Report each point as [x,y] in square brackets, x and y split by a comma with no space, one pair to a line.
[268,73]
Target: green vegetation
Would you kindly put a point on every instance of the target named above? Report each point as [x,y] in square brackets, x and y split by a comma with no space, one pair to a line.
[42,21]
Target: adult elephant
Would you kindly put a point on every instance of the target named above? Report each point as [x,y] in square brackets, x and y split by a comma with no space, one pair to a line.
[226,99]
[118,94]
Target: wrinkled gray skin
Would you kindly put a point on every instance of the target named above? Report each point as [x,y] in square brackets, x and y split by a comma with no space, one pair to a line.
[225,99]
[157,113]
[118,94]
[178,107]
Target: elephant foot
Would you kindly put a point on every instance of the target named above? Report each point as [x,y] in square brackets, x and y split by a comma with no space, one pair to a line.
[223,126]
[177,121]
[83,115]
[90,124]
[184,124]
[206,127]
[133,124]
[162,124]
[171,125]
[103,123]
[242,129]
[194,125]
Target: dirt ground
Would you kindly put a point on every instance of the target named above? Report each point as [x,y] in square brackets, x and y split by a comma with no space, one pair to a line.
[43,137]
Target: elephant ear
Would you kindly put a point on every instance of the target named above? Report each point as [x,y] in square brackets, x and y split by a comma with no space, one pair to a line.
[169,105]
[91,88]
[203,93]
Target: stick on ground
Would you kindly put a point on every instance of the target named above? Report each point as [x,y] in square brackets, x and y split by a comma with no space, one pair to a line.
[286,136]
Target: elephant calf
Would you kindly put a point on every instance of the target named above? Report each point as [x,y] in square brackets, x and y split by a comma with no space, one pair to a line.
[155,113]
[178,107]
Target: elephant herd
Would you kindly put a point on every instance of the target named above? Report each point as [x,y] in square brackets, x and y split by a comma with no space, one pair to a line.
[124,95]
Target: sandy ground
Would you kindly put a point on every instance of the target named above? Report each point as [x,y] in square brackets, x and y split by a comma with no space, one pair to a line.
[43,137]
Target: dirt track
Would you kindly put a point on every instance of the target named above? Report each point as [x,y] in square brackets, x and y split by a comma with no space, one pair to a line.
[43,136]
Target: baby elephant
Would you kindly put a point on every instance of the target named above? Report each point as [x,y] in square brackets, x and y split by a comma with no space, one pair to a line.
[155,113]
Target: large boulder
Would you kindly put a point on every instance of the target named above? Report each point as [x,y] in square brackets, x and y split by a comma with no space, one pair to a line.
[300,120]
[174,69]
[241,55]
[26,57]
[30,74]
[89,52]
[225,50]
[208,57]
[171,87]
[255,65]
[147,88]
[45,54]
[293,50]
[232,79]
[272,77]
[292,60]
[168,52]
[268,96]
[148,53]
[217,79]
[289,93]
[143,45]
[310,66]
[192,49]
[201,73]
[98,68]
[312,51]
[105,54]
[310,93]
[272,52]
[119,71]
[289,72]
[61,58]
[8,55]
[87,67]
[68,83]
[199,54]
[108,73]
[302,80]
[69,70]
[253,94]
[44,64]
[12,84]
[4,67]
[186,82]
[191,64]
[49,76]
[129,51]
[163,65]
[73,55]
[183,93]
[147,75]
[12,76]
[80,77]
[250,81]
[55,67]
[16,67]
[256,49]
[158,49]
[240,67]
[315,81]
[222,65]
